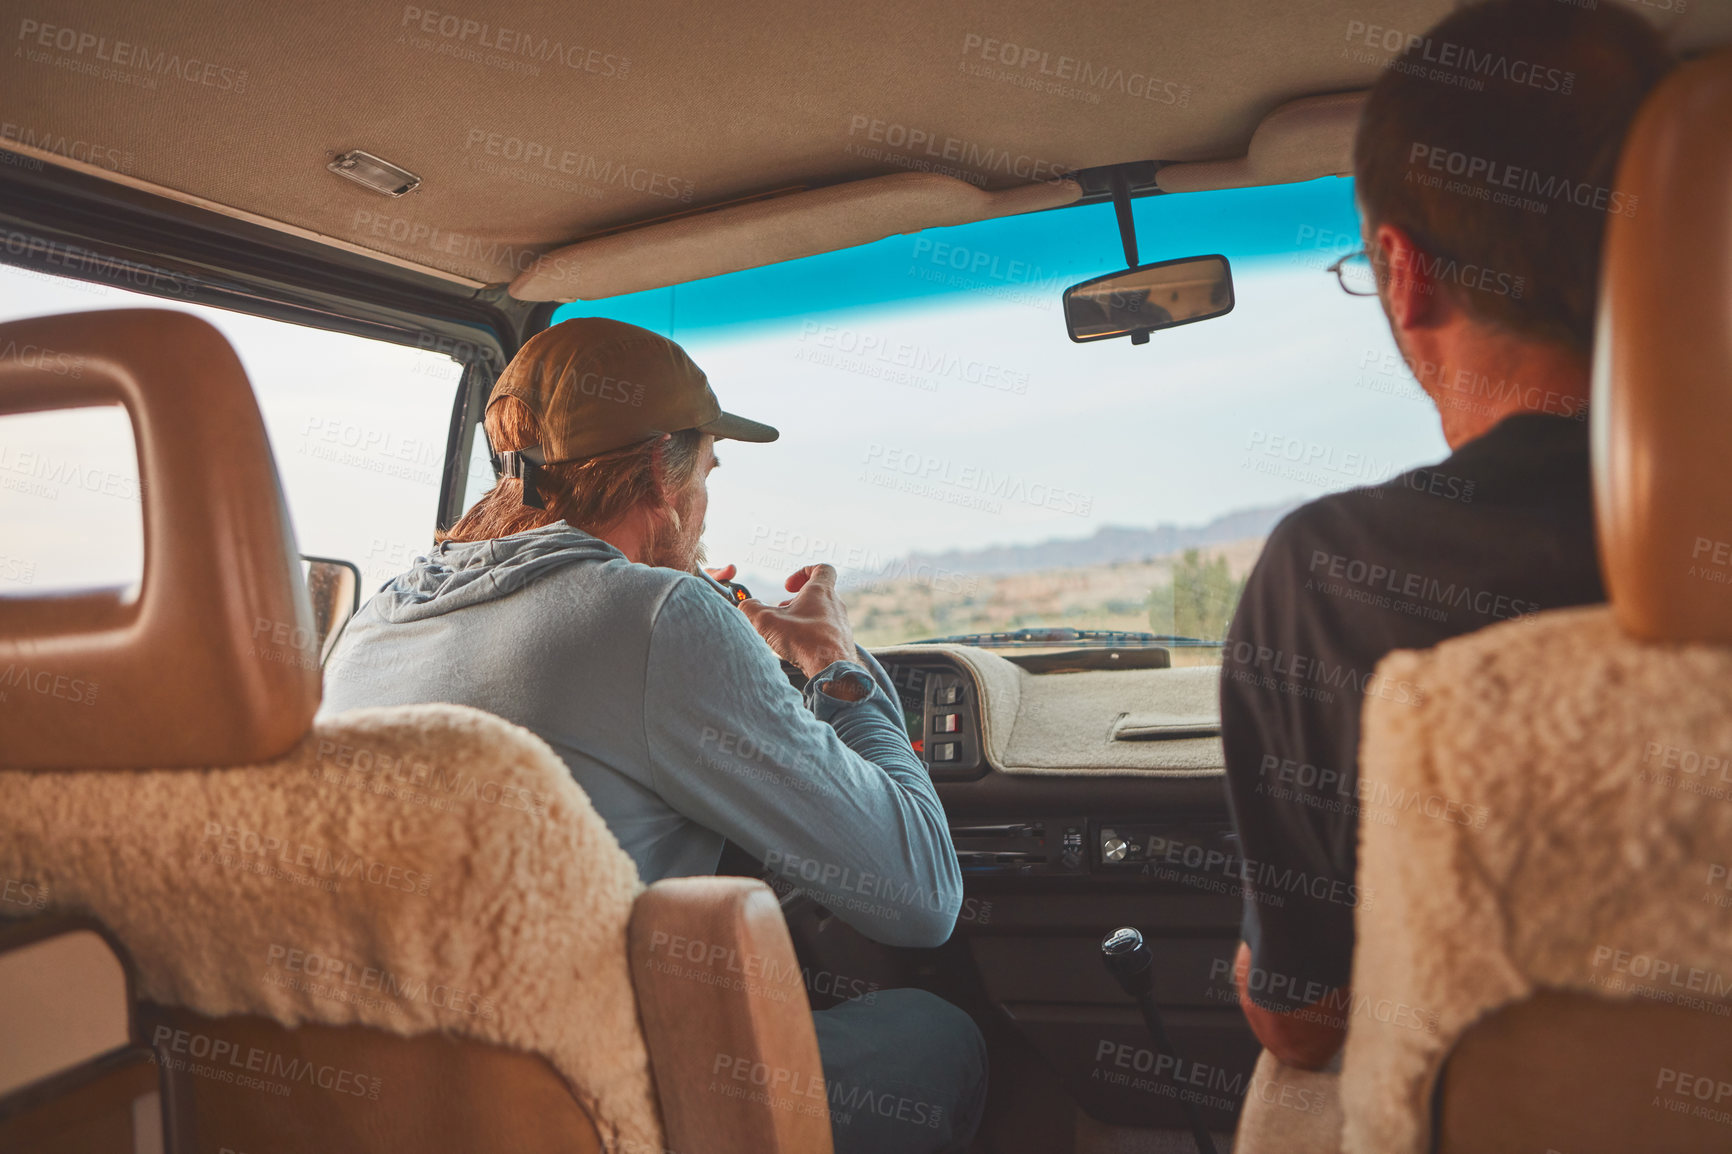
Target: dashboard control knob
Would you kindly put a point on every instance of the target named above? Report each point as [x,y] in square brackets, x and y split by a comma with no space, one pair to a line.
[1114,848]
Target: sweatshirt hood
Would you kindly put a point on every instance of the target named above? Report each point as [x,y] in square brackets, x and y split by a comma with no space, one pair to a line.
[456,575]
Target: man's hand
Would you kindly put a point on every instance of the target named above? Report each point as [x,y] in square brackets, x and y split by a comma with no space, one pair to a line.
[810,630]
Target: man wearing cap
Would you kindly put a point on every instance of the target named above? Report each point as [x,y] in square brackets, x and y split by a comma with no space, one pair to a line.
[569,600]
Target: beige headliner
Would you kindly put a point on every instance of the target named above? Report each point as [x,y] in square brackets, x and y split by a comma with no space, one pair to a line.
[655,108]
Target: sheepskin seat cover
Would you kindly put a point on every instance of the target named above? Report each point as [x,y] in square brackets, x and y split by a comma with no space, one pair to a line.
[436,844]
[1569,789]
[1289,1110]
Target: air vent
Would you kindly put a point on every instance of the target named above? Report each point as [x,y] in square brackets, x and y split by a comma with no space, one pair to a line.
[1165,726]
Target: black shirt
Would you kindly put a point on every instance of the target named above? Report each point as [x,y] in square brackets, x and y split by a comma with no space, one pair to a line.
[1502,528]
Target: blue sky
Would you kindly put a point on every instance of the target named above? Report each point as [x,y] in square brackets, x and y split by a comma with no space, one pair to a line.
[1059,247]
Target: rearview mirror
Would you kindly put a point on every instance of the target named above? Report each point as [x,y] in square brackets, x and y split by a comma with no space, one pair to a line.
[1137,301]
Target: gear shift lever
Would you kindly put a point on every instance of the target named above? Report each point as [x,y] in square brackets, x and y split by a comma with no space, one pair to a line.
[1128,959]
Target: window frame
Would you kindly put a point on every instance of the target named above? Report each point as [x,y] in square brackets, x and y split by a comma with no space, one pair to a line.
[65,223]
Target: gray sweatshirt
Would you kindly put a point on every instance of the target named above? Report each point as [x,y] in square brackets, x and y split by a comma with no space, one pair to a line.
[672,715]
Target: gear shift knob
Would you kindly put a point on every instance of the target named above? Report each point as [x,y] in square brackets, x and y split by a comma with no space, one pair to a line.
[1128,959]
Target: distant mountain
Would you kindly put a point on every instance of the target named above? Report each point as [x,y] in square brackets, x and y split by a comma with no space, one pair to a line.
[1109,544]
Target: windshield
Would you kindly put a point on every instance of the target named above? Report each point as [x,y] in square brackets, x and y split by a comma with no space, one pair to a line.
[968,469]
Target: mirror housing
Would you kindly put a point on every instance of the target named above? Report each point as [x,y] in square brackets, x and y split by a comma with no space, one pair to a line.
[334,587]
[1137,301]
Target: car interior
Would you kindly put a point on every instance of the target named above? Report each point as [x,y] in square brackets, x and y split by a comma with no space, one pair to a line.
[272,261]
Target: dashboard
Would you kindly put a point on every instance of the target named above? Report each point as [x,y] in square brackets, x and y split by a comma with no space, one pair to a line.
[947,704]
[1080,799]
[941,708]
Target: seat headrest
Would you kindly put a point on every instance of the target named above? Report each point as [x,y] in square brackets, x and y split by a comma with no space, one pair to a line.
[1662,393]
[214,659]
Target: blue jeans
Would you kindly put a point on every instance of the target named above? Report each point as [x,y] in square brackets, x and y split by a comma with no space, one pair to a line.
[905,1073]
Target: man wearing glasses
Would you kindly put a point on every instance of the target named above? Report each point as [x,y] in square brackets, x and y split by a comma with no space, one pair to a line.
[1483,187]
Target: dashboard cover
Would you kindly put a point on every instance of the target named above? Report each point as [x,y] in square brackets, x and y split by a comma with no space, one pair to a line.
[1140,722]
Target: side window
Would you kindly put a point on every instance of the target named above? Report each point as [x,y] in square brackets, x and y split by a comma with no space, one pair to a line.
[480,471]
[357,428]
[69,498]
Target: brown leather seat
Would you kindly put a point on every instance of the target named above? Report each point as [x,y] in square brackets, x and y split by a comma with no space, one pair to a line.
[73,1078]
[391,930]
[1565,952]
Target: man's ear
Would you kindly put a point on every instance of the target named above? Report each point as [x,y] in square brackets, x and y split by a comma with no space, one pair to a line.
[664,494]
[1410,292]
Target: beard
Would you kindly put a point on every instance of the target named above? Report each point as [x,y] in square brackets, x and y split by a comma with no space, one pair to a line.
[677,543]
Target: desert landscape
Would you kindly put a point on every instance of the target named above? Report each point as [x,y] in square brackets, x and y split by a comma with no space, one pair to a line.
[1190,589]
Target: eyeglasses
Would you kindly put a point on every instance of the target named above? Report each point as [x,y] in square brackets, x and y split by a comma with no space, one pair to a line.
[1357,276]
